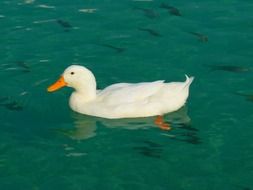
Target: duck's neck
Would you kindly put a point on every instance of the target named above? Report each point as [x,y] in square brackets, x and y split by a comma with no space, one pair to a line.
[86,91]
[82,96]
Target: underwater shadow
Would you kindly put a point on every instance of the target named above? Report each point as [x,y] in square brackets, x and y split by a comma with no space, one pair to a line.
[85,127]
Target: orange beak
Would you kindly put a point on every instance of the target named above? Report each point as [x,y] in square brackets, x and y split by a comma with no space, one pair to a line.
[57,85]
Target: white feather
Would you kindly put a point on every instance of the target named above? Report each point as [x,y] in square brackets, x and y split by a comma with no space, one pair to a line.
[124,100]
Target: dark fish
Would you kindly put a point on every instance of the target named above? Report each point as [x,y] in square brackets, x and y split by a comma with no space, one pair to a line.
[23,65]
[186,127]
[248,97]
[243,188]
[191,140]
[10,104]
[64,24]
[229,68]
[246,188]
[13,106]
[151,32]
[172,10]
[150,152]
[117,49]
[148,149]
[149,13]
[188,136]
[201,37]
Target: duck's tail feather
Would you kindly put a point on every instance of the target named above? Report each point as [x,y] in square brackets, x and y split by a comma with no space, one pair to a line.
[188,81]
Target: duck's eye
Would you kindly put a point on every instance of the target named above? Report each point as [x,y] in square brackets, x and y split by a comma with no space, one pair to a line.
[72,73]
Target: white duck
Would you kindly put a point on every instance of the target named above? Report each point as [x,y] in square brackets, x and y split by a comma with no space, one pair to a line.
[122,100]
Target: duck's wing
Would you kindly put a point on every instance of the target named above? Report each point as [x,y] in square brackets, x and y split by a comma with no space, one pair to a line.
[125,93]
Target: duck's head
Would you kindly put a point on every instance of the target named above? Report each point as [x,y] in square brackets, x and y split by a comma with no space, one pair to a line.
[75,76]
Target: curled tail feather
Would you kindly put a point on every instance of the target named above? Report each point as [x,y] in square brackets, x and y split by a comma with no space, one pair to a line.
[188,81]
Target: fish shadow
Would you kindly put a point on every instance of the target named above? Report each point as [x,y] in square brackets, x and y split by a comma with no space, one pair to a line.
[150,149]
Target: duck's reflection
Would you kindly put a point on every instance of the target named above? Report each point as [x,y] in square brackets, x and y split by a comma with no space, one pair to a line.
[86,126]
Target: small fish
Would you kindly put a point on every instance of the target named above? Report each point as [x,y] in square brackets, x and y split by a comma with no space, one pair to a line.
[64,24]
[6,102]
[150,154]
[188,137]
[248,97]
[172,10]
[23,65]
[20,66]
[191,137]
[243,187]
[148,151]
[229,68]
[13,106]
[117,49]
[150,31]
[189,134]
[186,127]
[149,13]
[191,140]
[201,37]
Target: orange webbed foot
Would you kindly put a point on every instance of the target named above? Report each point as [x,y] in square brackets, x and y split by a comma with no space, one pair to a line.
[161,124]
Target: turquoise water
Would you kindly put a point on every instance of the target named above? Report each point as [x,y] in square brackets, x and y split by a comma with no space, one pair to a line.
[45,145]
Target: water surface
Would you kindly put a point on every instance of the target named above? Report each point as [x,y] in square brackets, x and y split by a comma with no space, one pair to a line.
[45,145]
